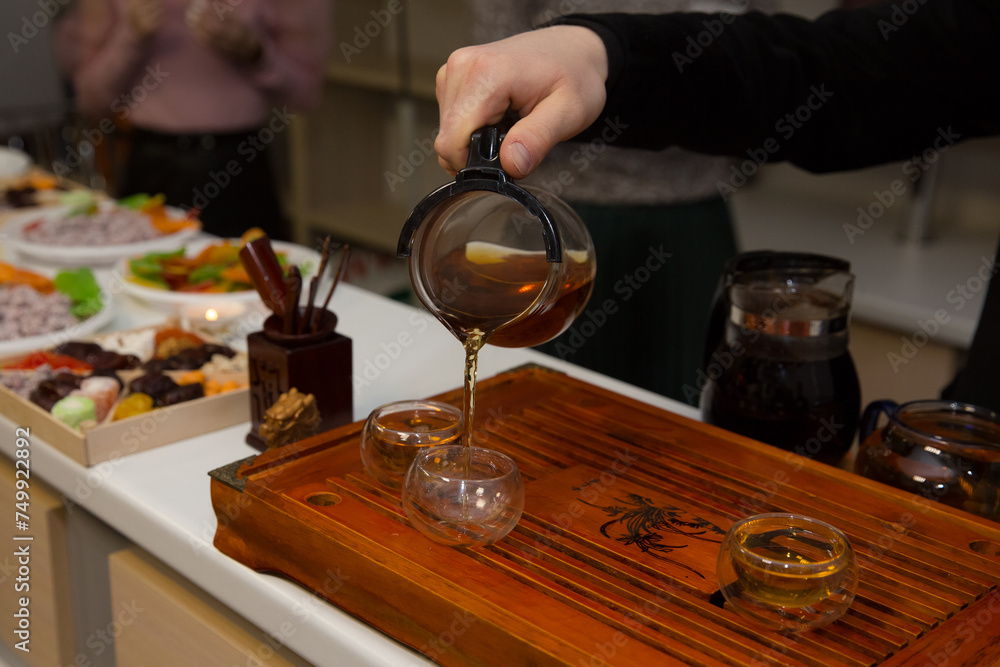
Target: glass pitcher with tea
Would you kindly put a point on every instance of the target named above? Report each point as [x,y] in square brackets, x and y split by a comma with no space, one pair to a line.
[781,371]
[513,263]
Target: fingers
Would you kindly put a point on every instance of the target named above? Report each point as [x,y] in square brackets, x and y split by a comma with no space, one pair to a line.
[553,78]
[447,165]
[467,101]
[556,118]
[451,157]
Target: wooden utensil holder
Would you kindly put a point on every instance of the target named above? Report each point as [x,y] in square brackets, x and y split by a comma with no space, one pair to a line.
[317,363]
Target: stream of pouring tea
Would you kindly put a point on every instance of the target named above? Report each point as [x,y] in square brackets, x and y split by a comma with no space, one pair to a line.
[490,288]
[472,345]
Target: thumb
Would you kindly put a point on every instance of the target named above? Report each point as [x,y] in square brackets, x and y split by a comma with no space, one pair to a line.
[531,138]
[519,160]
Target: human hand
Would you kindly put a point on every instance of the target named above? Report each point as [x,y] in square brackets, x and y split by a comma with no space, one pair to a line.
[144,16]
[553,78]
[225,32]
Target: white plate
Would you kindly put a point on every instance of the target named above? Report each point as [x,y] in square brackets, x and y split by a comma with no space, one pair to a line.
[99,255]
[82,329]
[305,258]
[13,162]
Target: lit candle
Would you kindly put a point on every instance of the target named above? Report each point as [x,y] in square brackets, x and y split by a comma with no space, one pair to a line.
[213,319]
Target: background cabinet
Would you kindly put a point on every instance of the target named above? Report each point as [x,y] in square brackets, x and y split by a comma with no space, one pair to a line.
[365,156]
[97,600]
[167,621]
[51,640]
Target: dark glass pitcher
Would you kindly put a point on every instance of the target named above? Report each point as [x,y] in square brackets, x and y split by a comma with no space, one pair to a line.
[780,372]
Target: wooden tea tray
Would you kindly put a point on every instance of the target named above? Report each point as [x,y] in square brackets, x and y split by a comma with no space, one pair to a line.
[613,561]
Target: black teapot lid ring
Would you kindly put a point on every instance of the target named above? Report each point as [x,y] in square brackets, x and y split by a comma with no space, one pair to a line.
[483,172]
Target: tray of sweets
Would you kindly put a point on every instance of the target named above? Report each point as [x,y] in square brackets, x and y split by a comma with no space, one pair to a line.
[166,363]
[613,560]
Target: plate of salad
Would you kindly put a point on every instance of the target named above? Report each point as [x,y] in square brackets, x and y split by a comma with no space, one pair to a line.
[37,311]
[205,271]
[85,230]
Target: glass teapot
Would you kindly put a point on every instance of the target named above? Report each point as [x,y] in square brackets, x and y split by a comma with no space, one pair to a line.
[513,263]
[942,450]
[781,371]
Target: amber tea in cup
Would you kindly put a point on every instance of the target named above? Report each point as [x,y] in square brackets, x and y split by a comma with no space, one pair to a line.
[396,432]
[516,284]
[787,572]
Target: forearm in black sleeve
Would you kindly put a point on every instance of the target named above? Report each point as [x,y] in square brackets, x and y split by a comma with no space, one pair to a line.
[850,89]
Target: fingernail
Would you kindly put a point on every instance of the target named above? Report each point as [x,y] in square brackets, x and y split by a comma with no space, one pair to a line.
[521,157]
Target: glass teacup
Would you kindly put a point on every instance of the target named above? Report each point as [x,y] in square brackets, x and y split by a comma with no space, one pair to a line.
[395,433]
[463,496]
[787,572]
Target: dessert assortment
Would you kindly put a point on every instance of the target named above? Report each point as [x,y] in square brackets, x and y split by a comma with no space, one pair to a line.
[84,393]
[207,271]
[84,384]
[30,190]
[87,229]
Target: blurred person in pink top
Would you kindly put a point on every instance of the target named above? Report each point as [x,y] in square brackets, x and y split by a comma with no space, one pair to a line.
[203,89]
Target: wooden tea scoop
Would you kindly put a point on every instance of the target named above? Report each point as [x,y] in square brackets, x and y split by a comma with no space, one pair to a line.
[290,325]
[265,273]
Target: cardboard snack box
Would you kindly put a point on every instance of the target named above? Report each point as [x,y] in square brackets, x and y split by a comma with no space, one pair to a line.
[110,440]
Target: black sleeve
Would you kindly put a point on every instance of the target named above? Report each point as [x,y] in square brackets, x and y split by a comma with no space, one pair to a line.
[851,89]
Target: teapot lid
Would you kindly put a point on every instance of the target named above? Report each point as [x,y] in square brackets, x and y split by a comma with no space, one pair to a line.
[483,173]
[755,261]
[801,302]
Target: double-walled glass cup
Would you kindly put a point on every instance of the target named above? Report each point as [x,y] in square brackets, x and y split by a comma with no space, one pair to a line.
[787,572]
[395,433]
[463,496]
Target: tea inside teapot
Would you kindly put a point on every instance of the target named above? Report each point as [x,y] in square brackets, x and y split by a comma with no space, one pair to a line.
[479,264]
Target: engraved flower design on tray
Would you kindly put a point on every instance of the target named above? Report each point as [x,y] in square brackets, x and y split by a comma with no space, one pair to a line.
[646,524]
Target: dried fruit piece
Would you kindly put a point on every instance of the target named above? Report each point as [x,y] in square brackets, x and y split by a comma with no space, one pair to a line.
[133,404]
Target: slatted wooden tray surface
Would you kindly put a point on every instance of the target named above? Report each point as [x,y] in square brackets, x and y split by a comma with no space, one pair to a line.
[613,561]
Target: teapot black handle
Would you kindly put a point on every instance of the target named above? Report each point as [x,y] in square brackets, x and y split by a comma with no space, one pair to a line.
[484,148]
[483,172]
[484,144]
[869,419]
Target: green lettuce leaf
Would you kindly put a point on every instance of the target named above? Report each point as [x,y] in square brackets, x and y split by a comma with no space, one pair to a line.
[82,289]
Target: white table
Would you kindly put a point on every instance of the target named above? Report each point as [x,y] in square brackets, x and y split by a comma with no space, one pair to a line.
[160,499]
